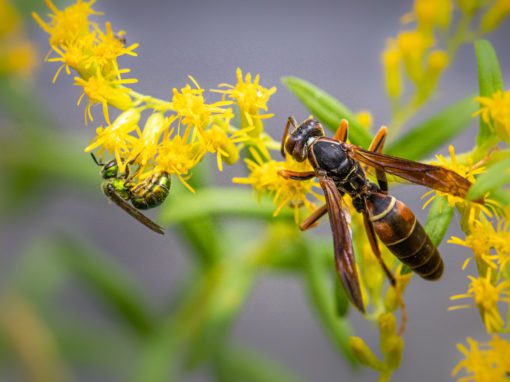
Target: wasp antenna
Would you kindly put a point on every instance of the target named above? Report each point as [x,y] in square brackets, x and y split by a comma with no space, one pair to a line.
[290,121]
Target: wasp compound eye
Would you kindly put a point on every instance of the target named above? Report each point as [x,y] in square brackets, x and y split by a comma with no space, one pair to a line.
[298,140]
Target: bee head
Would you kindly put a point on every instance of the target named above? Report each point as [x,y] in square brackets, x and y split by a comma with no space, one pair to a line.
[110,170]
[298,140]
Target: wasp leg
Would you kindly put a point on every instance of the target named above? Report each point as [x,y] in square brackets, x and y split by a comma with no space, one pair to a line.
[377,146]
[296,175]
[311,220]
[369,228]
[341,132]
[291,121]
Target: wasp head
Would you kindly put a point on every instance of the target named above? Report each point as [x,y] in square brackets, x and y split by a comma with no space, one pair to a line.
[298,140]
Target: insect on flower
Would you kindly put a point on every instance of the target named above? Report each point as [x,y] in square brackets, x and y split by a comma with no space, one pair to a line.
[337,165]
[149,193]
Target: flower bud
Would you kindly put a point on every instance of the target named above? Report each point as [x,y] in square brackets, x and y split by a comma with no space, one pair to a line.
[364,355]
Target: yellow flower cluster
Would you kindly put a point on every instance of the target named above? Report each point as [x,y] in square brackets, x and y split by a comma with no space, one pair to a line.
[490,244]
[419,55]
[495,111]
[484,361]
[469,210]
[17,54]
[81,45]
[414,52]
[178,133]
[264,178]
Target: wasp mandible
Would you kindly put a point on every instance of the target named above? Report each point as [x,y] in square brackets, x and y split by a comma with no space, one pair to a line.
[338,167]
[149,193]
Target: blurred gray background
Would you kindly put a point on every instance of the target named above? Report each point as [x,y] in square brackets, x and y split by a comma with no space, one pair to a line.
[335,45]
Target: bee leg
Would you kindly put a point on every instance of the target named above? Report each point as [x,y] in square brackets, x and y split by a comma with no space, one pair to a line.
[369,228]
[291,121]
[341,132]
[377,146]
[311,221]
[296,175]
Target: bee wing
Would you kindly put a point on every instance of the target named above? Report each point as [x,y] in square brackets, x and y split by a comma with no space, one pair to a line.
[427,175]
[114,197]
[342,241]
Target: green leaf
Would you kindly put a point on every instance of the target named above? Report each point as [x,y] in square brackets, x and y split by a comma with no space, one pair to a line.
[322,296]
[495,177]
[160,356]
[489,80]
[424,139]
[217,201]
[239,364]
[327,109]
[115,288]
[438,220]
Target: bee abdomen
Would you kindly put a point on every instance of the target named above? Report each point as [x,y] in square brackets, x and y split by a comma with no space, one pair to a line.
[398,228]
[153,193]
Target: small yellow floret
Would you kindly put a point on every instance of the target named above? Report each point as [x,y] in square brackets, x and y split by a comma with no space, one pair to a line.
[486,297]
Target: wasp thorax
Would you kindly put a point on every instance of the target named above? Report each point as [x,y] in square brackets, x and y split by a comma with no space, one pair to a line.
[299,139]
[110,170]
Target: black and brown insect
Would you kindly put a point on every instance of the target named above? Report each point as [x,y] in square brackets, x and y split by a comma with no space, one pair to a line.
[338,167]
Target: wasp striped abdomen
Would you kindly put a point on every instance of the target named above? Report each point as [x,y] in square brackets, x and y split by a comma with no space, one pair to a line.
[398,228]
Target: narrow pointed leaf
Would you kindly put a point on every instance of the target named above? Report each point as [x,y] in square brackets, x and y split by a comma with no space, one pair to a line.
[217,201]
[426,138]
[495,177]
[322,296]
[489,79]
[327,109]
[115,288]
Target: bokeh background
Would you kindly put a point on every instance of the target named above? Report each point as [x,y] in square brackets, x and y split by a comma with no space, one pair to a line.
[335,45]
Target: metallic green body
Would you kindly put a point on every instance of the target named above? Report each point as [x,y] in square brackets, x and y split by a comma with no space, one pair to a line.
[152,192]
[149,193]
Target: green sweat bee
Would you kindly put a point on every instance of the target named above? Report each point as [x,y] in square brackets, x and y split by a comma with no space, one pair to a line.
[149,193]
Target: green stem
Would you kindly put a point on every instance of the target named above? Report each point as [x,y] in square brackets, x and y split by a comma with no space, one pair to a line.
[322,296]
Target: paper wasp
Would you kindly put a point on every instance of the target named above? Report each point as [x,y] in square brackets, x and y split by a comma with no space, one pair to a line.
[338,167]
[146,194]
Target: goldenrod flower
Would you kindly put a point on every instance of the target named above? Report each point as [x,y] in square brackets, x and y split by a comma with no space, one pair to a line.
[365,119]
[106,51]
[286,192]
[116,139]
[251,97]
[177,155]
[146,147]
[486,297]
[433,13]
[484,362]
[17,57]
[68,25]
[481,240]
[222,140]
[74,55]
[191,108]
[17,54]
[495,111]
[105,92]
[391,59]
[495,15]
[470,210]
[10,19]
[412,46]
